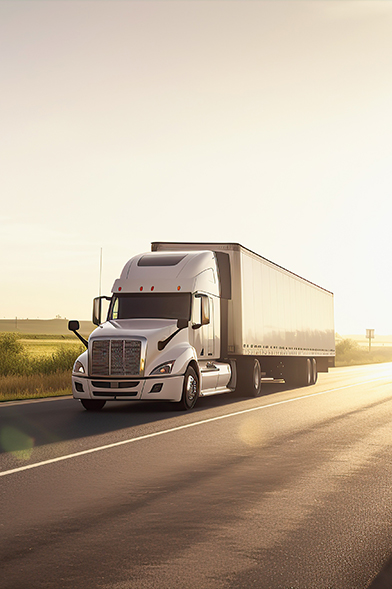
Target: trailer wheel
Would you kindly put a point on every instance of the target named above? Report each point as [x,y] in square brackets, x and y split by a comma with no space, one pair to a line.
[314,370]
[307,373]
[304,373]
[190,390]
[92,404]
[249,378]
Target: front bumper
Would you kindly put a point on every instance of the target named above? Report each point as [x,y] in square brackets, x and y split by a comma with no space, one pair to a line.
[168,388]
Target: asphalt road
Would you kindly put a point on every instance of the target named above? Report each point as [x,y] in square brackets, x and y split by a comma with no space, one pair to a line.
[292,491]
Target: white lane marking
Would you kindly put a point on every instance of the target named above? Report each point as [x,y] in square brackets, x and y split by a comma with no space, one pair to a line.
[178,428]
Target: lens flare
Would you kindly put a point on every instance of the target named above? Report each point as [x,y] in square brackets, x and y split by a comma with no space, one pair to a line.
[252,431]
[17,443]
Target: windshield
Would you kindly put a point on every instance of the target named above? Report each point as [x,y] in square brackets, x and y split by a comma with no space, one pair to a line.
[151,306]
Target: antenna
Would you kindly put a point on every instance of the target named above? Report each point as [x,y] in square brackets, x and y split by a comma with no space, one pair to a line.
[100,273]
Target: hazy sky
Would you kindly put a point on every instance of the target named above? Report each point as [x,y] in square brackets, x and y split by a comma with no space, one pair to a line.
[267,123]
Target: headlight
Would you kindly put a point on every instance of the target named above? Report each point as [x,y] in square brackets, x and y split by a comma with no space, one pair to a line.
[78,367]
[165,368]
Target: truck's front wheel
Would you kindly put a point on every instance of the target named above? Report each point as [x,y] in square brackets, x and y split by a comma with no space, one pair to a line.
[92,404]
[190,389]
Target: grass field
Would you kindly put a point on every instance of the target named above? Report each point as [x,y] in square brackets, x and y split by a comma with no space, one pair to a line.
[34,366]
[46,347]
[35,386]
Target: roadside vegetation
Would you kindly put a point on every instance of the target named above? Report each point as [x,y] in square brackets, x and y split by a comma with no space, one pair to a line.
[35,366]
[27,374]
[351,353]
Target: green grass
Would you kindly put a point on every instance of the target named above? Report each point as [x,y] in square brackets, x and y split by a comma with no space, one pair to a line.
[34,386]
[46,347]
[35,368]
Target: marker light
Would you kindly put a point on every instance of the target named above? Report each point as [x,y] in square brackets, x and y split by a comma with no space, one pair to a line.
[141,288]
[152,288]
[178,287]
[119,288]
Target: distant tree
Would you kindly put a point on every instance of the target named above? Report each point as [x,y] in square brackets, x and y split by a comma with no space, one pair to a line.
[345,346]
[13,358]
[10,344]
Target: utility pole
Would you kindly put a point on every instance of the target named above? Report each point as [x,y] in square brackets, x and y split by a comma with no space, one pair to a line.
[100,273]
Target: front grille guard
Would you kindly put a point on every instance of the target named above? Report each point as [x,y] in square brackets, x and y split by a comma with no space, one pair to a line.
[117,357]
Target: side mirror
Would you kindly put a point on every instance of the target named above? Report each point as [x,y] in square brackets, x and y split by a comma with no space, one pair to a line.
[205,310]
[196,312]
[97,309]
[200,311]
[73,325]
[181,324]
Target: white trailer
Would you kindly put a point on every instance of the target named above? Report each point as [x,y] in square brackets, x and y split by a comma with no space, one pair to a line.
[196,319]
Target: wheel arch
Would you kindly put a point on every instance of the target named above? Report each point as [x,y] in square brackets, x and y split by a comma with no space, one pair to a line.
[185,356]
[196,367]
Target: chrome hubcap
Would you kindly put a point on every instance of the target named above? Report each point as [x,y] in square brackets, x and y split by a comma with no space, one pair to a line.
[191,388]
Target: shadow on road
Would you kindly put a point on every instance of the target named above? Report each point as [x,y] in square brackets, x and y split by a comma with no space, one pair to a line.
[384,578]
[40,424]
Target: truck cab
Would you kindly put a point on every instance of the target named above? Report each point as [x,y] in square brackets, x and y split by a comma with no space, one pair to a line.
[162,337]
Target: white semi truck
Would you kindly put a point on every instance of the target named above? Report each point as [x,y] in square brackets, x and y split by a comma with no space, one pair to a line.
[189,320]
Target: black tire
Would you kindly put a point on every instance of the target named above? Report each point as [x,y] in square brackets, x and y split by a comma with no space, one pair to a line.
[308,372]
[92,404]
[190,390]
[303,372]
[314,371]
[249,377]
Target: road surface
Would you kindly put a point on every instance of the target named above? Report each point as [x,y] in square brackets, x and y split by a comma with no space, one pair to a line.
[292,490]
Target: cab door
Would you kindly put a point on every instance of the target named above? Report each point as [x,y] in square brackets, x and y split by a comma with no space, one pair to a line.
[203,326]
[203,330]
[209,330]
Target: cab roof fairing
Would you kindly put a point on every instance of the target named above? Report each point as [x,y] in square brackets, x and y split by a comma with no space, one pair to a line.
[197,271]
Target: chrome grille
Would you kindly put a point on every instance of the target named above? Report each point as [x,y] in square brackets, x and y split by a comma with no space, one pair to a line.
[132,353]
[100,357]
[116,357]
